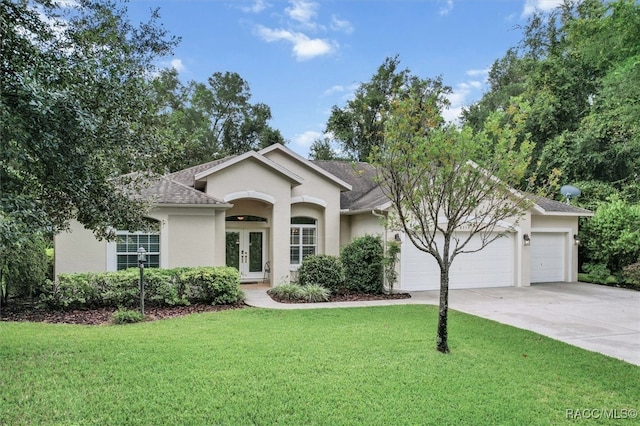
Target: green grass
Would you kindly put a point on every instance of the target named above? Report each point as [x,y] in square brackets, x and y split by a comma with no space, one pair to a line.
[361,366]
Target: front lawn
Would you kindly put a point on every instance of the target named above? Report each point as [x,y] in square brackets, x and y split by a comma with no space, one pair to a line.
[360,366]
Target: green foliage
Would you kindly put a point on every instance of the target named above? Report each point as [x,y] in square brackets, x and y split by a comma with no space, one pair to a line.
[363,265]
[598,273]
[291,292]
[631,273]
[126,316]
[163,287]
[218,286]
[314,293]
[389,262]
[74,92]
[612,236]
[323,270]
[359,126]
[203,122]
[578,68]
[23,268]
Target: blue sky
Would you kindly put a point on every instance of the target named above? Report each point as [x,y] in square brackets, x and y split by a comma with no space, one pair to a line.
[301,57]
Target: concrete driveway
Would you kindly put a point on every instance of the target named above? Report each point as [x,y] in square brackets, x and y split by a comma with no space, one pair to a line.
[593,317]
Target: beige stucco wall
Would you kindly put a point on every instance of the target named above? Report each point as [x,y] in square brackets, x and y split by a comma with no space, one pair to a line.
[77,250]
[252,177]
[191,240]
[316,188]
[189,236]
[365,224]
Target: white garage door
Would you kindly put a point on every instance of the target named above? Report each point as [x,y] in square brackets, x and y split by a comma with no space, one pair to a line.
[547,257]
[489,267]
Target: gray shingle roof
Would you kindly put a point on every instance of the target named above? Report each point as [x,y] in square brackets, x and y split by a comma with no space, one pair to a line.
[164,190]
[553,206]
[365,193]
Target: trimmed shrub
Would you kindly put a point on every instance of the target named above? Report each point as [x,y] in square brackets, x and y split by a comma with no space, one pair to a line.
[163,287]
[291,292]
[126,316]
[218,286]
[69,291]
[363,265]
[323,270]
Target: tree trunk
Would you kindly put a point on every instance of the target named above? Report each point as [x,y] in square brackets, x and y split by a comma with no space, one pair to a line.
[442,336]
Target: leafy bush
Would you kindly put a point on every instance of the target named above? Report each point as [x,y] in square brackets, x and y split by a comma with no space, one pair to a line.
[323,270]
[362,260]
[126,316]
[315,293]
[597,272]
[292,292]
[23,272]
[69,291]
[218,286]
[632,273]
[612,236]
[163,287]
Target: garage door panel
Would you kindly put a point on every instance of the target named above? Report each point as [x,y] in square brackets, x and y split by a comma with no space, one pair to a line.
[547,257]
[490,267]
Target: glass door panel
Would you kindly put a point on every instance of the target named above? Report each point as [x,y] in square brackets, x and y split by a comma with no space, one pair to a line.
[255,251]
[233,249]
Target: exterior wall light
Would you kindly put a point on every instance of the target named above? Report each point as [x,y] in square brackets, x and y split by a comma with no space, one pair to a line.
[142,257]
[576,240]
[526,240]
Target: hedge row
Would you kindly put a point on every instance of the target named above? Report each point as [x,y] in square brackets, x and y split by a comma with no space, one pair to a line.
[163,287]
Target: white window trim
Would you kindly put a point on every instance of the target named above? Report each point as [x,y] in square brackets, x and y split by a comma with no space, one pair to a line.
[300,245]
[112,249]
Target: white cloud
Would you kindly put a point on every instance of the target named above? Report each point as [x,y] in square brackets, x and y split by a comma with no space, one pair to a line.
[307,138]
[532,6]
[474,73]
[257,7]
[341,25]
[461,96]
[446,8]
[178,65]
[338,88]
[303,12]
[303,47]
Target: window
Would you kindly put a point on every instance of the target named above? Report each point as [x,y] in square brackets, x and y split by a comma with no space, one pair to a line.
[303,239]
[127,244]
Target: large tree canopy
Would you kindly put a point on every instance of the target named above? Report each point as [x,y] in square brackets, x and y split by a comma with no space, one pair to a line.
[74,114]
[579,69]
[359,126]
[203,122]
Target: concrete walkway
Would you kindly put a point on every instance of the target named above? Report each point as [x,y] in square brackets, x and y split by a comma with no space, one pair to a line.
[593,317]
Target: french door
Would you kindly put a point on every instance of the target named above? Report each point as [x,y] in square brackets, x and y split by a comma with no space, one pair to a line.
[246,251]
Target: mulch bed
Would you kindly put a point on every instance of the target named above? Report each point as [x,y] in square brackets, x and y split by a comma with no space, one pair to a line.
[22,312]
[17,311]
[357,297]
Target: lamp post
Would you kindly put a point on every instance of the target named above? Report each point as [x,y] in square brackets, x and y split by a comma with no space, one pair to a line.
[142,257]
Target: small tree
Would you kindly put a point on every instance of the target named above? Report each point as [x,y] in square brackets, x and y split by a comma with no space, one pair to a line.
[441,199]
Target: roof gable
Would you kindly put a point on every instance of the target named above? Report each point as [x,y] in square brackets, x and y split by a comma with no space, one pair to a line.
[344,186]
[251,155]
